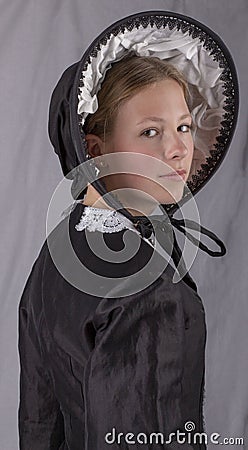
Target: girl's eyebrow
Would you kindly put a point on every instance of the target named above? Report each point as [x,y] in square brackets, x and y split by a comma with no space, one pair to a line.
[159,119]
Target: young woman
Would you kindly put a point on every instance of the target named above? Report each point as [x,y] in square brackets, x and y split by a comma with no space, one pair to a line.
[111,348]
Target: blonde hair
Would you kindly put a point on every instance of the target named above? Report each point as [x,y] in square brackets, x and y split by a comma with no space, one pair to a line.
[123,80]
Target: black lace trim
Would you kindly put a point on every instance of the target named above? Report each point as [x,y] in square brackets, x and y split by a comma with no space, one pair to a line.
[228,77]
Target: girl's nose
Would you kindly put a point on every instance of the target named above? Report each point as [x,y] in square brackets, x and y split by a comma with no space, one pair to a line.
[174,147]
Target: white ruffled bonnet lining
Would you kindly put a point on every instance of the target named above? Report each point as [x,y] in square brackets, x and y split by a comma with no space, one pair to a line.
[188,55]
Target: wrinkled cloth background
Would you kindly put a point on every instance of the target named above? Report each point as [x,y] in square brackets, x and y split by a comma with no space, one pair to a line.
[38,41]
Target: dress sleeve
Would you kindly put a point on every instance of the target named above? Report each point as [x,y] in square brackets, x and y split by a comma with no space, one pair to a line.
[133,377]
[39,417]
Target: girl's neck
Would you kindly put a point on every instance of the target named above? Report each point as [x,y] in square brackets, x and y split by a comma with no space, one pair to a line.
[94,199]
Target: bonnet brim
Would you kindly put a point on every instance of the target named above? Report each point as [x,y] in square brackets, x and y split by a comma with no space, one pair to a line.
[197,52]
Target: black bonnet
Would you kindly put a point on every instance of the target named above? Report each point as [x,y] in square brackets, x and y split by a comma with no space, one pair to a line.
[59,126]
[213,86]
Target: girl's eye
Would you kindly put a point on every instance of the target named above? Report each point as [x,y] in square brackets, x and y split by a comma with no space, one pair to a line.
[185,128]
[150,133]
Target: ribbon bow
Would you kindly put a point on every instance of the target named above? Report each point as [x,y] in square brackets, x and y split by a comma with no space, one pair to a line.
[164,232]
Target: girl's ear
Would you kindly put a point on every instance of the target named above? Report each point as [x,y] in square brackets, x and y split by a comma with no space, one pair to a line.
[94,145]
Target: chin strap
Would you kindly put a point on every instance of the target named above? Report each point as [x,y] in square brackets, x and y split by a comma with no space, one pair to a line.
[165,234]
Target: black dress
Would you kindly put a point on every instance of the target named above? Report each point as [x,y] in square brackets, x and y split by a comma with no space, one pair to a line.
[128,366]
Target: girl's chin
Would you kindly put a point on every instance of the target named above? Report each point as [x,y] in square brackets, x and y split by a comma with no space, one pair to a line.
[168,198]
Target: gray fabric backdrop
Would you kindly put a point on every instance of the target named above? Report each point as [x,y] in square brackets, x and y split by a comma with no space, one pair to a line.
[38,40]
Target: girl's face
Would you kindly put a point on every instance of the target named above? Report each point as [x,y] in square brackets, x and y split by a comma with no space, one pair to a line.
[154,122]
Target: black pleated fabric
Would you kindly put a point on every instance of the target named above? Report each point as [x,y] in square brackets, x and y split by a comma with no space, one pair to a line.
[91,365]
[59,125]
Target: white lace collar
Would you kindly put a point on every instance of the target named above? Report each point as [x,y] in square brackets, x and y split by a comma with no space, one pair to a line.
[104,220]
[111,221]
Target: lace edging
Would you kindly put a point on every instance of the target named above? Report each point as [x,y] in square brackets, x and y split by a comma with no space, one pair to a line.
[104,220]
